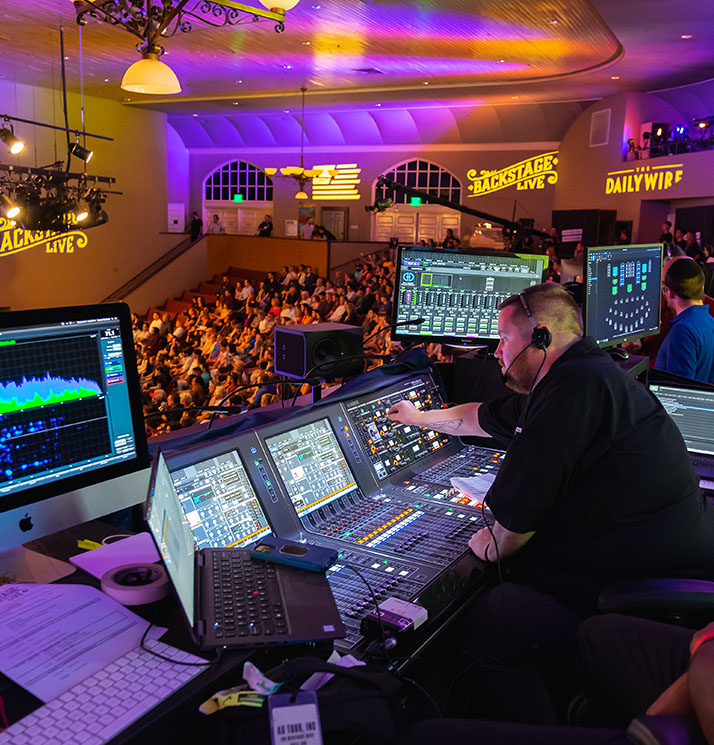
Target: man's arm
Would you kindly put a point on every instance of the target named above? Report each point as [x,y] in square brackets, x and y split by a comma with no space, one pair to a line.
[459,420]
[506,542]
[701,684]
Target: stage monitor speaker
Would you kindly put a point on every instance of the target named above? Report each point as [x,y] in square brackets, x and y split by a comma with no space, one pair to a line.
[325,346]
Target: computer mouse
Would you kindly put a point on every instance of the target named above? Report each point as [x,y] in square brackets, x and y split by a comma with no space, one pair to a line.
[619,353]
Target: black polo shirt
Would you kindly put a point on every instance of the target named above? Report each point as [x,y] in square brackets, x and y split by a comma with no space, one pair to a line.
[601,473]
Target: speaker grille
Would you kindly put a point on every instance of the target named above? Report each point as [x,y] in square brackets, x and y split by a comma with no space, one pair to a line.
[600,128]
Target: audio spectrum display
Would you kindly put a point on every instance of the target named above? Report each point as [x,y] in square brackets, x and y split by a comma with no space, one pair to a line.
[390,447]
[64,407]
[219,502]
[312,466]
[458,294]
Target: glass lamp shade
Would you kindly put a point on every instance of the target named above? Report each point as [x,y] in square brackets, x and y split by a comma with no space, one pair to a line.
[279,4]
[301,195]
[270,171]
[150,75]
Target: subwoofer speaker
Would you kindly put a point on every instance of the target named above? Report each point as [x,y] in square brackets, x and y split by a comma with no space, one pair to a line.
[325,346]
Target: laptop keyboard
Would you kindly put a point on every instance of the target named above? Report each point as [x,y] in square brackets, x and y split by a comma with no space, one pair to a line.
[247,600]
[704,461]
[98,708]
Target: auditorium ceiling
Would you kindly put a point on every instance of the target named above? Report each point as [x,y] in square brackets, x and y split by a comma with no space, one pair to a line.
[355,54]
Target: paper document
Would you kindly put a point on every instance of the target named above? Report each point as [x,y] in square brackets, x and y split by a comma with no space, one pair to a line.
[137,549]
[474,488]
[54,636]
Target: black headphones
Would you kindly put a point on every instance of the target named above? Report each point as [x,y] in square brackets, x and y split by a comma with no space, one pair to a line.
[541,337]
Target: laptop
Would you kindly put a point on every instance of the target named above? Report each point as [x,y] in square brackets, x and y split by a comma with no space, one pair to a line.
[692,408]
[227,598]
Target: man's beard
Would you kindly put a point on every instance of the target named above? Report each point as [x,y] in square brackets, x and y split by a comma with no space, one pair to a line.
[521,375]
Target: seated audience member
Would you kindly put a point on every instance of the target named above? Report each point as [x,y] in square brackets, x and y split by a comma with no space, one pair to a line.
[596,487]
[688,348]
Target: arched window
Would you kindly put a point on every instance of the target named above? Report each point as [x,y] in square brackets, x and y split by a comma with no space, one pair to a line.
[238,181]
[422,175]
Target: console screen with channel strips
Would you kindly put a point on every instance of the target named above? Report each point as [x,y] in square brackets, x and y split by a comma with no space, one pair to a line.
[392,447]
[312,466]
[458,293]
[622,292]
[219,502]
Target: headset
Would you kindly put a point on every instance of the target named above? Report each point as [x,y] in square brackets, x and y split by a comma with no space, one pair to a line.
[541,337]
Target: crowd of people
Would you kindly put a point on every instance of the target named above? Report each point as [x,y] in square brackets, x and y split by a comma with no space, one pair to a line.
[222,350]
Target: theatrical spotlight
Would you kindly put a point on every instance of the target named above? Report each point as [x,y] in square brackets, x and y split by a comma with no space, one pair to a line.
[81,152]
[7,135]
[9,207]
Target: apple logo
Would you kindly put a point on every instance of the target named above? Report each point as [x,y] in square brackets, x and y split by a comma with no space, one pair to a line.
[26,523]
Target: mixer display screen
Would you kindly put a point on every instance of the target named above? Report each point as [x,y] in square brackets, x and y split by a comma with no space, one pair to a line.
[219,502]
[391,447]
[312,465]
[458,294]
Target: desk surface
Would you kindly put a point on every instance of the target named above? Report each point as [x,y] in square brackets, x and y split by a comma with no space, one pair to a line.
[175,718]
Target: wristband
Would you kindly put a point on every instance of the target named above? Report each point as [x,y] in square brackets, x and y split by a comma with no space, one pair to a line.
[703,638]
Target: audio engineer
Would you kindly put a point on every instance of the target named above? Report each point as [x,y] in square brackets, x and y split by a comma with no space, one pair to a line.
[596,487]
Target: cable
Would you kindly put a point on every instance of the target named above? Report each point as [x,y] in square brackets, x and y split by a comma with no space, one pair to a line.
[142,644]
[383,634]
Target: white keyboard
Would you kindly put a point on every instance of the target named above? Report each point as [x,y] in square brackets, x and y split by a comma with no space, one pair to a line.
[107,702]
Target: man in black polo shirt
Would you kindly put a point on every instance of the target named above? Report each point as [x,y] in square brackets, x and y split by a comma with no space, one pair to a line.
[596,486]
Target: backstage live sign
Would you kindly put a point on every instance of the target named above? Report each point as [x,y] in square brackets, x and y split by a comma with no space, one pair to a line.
[526,175]
[13,239]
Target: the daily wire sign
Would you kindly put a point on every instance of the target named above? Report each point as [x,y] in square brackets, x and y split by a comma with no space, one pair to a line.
[14,239]
[526,175]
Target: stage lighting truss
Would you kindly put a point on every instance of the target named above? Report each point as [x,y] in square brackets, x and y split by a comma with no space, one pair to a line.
[53,199]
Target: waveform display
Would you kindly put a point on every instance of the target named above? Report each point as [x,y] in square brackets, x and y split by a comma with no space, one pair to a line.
[36,441]
[31,393]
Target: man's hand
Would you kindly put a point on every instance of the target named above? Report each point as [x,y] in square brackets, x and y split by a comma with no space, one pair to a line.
[479,543]
[404,412]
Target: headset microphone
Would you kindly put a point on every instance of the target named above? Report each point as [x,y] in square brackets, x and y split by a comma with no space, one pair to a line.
[541,337]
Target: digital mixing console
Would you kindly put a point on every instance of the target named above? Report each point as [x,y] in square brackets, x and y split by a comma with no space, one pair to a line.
[344,476]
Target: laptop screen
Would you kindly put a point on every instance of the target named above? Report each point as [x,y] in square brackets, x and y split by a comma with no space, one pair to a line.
[172,535]
[312,465]
[693,412]
[219,502]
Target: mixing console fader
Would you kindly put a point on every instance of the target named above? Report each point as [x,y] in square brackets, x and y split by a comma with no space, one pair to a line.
[470,461]
[424,532]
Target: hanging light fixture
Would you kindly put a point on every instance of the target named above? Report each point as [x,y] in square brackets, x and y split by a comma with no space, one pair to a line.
[7,135]
[153,20]
[301,174]
[9,207]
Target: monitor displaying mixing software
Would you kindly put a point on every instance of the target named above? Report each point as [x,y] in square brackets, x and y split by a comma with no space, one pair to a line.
[312,465]
[219,502]
[622,292]
[457,293]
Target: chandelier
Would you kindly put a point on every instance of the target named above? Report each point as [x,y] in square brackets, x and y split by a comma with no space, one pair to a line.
[151,21]
[301,174]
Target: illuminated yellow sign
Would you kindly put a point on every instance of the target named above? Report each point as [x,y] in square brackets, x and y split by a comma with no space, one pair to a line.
[13,239]
[532,173]
[337,186]
[643,178]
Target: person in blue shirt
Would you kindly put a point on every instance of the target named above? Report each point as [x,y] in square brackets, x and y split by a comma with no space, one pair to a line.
[688,349]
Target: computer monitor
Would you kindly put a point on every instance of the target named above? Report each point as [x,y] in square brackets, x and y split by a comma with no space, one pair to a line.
[72,440]
[623,292]
[457,293]
[312,466]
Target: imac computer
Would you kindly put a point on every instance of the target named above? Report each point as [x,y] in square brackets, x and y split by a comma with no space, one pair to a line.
[622,298]
[72,441]
[453,296]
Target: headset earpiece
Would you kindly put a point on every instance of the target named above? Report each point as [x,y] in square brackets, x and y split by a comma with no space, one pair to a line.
[541,338]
